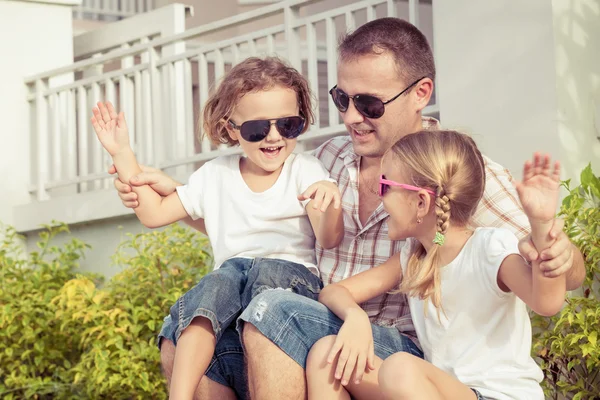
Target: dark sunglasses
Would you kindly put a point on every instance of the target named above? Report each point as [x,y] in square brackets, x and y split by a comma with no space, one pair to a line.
[258,129]
[369,106]
[385,184]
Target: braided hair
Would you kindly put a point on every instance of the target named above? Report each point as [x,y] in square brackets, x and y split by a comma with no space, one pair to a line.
[449,164]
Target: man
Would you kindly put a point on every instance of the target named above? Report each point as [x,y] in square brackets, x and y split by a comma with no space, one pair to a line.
[385,79]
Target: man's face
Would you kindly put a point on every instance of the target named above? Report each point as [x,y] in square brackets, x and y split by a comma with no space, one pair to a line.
[377,75]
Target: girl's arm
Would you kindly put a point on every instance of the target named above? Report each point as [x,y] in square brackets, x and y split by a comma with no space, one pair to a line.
[354,341]
[153,210]
[545,296]
[538,193]
[343,298]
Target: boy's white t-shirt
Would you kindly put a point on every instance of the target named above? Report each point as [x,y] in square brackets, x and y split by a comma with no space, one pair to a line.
[484,338]
[242,223]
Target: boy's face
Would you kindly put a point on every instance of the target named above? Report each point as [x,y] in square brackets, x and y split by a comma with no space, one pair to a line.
[377,75]
[269,154]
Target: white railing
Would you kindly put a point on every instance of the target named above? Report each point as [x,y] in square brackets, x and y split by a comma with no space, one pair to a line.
[161,84]
[111,10]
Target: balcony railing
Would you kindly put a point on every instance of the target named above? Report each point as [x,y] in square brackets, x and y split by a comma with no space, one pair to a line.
[111,10]
[162,82]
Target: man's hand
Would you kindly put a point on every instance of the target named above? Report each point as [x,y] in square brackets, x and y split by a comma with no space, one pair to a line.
[162,184]
[558,258]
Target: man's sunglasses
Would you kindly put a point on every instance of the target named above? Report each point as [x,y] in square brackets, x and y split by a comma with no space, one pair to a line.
[258,129]
[369,106]
[384,185]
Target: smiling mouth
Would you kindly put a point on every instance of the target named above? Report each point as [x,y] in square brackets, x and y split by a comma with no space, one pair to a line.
[363,132]
[271,151]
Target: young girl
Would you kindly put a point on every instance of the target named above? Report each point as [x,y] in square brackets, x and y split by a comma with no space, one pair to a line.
[254,208]
[468,288]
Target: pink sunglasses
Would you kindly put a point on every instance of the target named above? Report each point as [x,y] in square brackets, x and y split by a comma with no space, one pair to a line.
[385,184]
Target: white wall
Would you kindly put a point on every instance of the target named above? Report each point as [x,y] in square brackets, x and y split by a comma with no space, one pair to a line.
[521,77]
[34,37]
[496,75]
[577,55]
[104,237]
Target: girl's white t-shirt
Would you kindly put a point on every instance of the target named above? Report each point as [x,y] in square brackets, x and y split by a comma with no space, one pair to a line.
[242,223]
[484,337]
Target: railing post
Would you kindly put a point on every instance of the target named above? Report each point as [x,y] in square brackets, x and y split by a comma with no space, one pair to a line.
[290,15]
[41,116]
[391,8]
[413,12]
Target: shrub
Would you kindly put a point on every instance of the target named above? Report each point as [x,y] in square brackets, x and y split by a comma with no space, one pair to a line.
[91,341]
[566,345]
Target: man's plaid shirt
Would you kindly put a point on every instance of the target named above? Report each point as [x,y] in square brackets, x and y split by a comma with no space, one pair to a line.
[365,247]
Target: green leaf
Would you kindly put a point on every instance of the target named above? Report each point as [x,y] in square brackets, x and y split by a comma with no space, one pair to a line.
[593,337]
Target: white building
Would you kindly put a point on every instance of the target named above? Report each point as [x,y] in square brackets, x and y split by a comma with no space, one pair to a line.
[519,76]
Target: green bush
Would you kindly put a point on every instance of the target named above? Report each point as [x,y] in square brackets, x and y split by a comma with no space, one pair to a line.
[566,345]
[69,338]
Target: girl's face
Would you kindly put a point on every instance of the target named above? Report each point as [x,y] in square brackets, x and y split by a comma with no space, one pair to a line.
[404,206]
[268,155]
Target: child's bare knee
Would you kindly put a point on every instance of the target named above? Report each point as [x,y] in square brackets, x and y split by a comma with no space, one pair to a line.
[396,373]
[317,356]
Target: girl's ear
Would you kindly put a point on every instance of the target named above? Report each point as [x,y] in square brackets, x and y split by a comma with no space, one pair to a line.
[424,203]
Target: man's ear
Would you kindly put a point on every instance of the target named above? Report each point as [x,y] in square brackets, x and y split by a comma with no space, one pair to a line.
[423,92]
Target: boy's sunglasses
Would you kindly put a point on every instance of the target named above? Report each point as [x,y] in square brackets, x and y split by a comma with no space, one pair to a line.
[384,185]
[369,106]
[258,129]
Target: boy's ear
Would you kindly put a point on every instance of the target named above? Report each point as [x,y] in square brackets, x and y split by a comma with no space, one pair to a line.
[233,133]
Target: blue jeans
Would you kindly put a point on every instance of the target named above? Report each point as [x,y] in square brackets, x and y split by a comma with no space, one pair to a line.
[296,323]
[221,295]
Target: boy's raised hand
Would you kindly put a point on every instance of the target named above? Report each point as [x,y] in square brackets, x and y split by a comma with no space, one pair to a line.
[110,128]
[539,189]
[322,193]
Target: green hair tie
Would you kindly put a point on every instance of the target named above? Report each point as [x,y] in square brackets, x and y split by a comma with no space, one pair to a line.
[439,238]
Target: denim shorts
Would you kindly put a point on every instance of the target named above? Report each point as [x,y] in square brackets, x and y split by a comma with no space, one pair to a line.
[296,323]
[221,295]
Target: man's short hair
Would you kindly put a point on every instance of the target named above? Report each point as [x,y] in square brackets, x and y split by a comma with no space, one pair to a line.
[400,38]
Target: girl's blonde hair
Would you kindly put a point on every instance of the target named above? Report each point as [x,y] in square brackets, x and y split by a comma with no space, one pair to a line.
[252,75]
[450,164]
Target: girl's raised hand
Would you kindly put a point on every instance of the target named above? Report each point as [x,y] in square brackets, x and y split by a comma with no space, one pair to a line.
[354,343]
[539,189]
[322,193]
[110,128]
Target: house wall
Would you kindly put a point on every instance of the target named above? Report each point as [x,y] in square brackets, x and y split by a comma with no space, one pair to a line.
[521,77]
[25,52]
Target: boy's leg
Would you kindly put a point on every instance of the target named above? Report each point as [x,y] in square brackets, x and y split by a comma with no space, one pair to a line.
[208,388]
[404,376]
[200,316]
[193,354]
